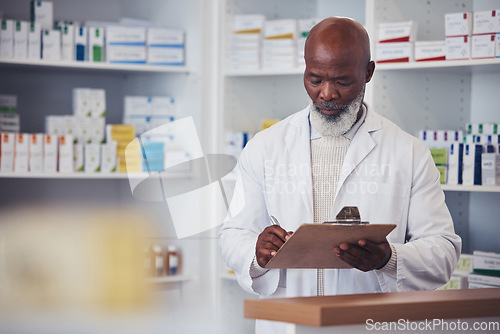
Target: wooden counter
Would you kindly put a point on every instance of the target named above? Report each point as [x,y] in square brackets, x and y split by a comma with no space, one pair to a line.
[356,309]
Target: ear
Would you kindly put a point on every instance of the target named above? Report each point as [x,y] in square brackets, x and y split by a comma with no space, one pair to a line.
[370,68]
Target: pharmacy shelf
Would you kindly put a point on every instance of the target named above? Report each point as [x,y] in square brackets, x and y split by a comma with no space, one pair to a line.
[476,64]
[88,175]
[228,276]
[250,73]
[93,66]
[169,279]
[486,189]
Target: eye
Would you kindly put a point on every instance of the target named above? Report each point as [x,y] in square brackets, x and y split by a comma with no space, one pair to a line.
[315,82]
[344,83]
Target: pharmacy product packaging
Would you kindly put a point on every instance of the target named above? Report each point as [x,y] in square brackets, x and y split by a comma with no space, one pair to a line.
[430,51]
[483,46]
[55,125]
[8,103]
[34,41]
[21,40]
[98,103]
[167,56]
[394,52]
[7,148]
[96,130]
[497,45]
[42,12]
[490,169]
[50,146]
[154,156]
[126,45]
[486,22]
[458,24]
[67,42]
[65,154]
[91,158]
[10,122]
[393,32]
[455,163]
[126,54]
[486,260]
[157,37]
[7,39]
[78,158]
[35,156]
[81,43]
[248,24]
[108,157]
[472,164]
[96,44]
[21,153]
[458,48]
[278,29]
[51,45]
[82,102]
[440,157]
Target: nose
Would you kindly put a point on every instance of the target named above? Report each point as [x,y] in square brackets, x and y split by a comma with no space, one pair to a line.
[329,92]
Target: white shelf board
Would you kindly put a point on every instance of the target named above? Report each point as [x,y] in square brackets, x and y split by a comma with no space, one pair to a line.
[449,187]
[94,66]
[250,73]
[169,279]
[480,64]
[87,175]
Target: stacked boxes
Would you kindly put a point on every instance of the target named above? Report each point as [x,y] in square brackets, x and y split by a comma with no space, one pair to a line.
[51,45]
[458,31]
[126,45]
[304,26]
[9,118]
[146,113]
[42,12]
[279,46]
[430,50]
[34,41]
[128,150]
[395,42]
[485,28]
[7,39]
[245,42]
[21,40]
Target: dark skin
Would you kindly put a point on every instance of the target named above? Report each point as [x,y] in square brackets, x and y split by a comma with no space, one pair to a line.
[338,66]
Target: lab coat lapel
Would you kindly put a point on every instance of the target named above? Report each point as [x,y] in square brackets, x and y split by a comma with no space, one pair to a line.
[361,145]
[297,141]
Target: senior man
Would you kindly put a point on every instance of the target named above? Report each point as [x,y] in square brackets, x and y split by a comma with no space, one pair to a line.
[338,152]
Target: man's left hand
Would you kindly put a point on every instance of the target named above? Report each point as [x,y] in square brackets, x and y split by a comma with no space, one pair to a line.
[365,255]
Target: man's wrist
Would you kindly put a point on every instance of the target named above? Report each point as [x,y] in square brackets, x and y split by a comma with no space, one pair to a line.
[391,267]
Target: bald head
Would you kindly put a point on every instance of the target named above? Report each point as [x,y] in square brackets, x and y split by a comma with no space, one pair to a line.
[339,34]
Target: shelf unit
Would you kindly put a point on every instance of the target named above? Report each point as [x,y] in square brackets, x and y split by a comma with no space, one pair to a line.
[169,279]
[479,189]
[106,176]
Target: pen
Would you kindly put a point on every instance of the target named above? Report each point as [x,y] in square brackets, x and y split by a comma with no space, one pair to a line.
[274,221]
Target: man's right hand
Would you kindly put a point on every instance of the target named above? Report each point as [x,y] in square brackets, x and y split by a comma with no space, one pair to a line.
[268,243]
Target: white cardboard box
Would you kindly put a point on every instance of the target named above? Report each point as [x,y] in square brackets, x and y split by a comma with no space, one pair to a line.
[497,45]
[67,42]
[49,153]
[91,158]
[248,23]
[165,56]
[458,24]
[21,153]
[7,147]
[490,169]
[42,12]
[486,22]
[394,52]
[127,54]
[472,164]
[35,157]
[7,39]
[458,48]
[65,154]
[165,37]
[286,28]
[393,32]
[51,45]
[21,40]
[34,41]
[108,157]
[430,50]
[119,35]
[78,158]
[81,43]
[483,46]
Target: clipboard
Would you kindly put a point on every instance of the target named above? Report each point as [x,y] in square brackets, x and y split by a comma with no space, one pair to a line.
[311,246]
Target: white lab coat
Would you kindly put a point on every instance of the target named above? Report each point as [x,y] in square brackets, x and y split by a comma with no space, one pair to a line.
[388,174]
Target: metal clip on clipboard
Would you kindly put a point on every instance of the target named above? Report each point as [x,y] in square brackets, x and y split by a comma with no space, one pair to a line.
[348,215]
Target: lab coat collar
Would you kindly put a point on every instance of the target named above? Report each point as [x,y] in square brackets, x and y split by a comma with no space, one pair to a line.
[297,144]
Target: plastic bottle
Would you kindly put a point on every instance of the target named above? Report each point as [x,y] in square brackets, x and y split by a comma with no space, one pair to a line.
[173,260]
[159,263]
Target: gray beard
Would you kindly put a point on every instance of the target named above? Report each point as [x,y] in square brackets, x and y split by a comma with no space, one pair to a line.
[339,124]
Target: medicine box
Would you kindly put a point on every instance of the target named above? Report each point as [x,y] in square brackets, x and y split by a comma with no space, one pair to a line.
[42,12]
[21,153]
[483,46]
[82,102]
[497,45]
[458,48]
[92,157]
[119,35]
[9,122]
[67,42]
[65,154]
[277,29]
[244,24]
[455,163]
[81,43]
[490,169]
[165,37]
[51,45]
[393,32]
[458,24]
[96,44]
[50,153]
[169,56]
[8,103]
[486,22]
[430,51]
[7,147]
[35,157]
[126,54]
[108,157]
[98,103]
[21,40]
[34,41]
[394,52]
[7,39]
[472,164]
[78,158]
